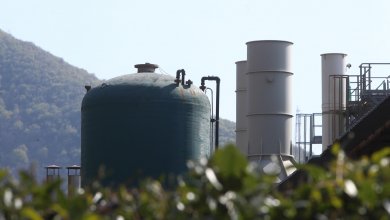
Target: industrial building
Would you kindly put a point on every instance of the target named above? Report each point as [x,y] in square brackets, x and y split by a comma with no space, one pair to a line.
[148,124]
[354,110]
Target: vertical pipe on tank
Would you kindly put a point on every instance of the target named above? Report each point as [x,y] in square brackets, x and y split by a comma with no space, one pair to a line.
[203,88]
[333,97]
[269,105]
[241,107]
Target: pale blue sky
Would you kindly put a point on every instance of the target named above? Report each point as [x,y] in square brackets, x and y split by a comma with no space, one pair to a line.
[204,37]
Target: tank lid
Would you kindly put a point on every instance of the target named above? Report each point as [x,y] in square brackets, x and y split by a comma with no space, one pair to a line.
[146,68]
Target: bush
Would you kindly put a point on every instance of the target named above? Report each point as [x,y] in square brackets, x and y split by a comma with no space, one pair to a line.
[224,187]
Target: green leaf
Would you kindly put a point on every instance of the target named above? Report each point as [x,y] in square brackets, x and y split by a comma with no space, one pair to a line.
[31,214]
[92,217]
[377,156]
[229,162]
[3,174]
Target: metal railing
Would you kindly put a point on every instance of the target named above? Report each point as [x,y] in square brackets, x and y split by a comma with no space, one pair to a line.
[365,91]
[306,135]
[360,93]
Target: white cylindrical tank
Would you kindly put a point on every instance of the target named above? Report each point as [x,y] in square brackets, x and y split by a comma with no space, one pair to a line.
[241,107]
[333,97]
[269,105]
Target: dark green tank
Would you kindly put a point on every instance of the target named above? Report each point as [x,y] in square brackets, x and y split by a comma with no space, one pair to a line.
[142,125]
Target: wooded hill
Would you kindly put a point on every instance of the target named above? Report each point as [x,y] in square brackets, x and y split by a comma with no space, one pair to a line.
[40,99]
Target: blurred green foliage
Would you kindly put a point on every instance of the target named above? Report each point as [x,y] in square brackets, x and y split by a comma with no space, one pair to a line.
[224,187]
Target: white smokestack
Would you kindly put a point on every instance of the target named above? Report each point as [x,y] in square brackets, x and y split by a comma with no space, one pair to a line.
[269,106]
[241,107]
[333,97]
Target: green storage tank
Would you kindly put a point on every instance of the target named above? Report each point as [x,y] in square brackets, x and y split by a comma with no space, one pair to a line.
[142,125]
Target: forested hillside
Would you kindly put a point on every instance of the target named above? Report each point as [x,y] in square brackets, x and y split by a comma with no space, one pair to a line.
[40,99]
[227,134]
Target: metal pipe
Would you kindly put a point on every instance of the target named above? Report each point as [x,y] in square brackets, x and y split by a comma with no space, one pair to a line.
[369,76]
[212,119]
[374,64]
[183,73]
[311,117]
[87,87]
[203,87]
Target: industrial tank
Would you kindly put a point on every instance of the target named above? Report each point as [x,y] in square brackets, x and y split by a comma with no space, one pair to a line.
[142,125]
[241,107]
[269,106]
[334,97]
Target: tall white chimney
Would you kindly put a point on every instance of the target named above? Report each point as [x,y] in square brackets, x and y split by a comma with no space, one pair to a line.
[241,107]
[269,106]
[333,97]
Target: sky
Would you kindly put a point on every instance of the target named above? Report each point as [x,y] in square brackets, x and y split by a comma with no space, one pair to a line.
[204,37]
